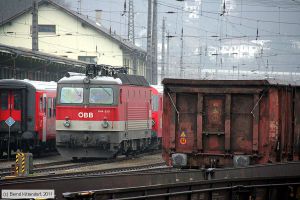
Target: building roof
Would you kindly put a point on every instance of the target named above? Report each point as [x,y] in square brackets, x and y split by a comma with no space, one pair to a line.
[38,85]
[16,12]
[37,61]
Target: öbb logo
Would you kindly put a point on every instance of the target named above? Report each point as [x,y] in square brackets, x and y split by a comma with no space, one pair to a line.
[85,115]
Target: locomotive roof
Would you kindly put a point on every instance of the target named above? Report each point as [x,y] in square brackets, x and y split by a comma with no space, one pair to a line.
[119,79]
[159,88]
[133,80]
[18,84]
[103,80]
[182,82]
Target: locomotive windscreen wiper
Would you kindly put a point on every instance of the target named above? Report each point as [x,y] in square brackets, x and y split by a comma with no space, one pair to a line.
[106,91]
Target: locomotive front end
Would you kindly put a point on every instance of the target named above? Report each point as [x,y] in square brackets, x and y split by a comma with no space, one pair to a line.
[87,124]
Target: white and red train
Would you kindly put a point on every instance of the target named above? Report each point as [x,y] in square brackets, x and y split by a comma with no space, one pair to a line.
[106,115]
[157,103]
[31,106]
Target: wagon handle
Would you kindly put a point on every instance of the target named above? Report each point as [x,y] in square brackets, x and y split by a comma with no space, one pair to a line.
[257,103]
[174,106]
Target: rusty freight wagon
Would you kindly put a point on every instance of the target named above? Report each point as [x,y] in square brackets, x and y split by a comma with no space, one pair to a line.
[217,123]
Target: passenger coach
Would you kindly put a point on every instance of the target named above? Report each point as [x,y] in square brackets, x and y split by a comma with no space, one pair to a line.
[31,106]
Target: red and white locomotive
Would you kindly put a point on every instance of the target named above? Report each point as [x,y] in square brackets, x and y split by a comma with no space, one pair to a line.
[31,106]
[103,113]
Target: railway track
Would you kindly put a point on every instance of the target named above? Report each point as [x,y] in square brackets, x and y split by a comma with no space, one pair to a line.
[6,171]
[60,166]
[161,181]
[148,168]
[273,189]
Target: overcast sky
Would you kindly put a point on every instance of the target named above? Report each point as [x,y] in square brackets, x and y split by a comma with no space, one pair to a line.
[254,35]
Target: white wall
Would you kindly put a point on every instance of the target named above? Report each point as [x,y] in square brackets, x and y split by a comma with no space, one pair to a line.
[71,38]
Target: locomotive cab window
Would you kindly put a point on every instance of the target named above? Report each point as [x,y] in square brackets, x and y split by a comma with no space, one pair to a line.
[101,96]
[71,95]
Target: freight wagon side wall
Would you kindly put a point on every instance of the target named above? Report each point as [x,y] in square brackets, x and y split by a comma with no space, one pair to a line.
[296,138]
[168,118]
[219,125]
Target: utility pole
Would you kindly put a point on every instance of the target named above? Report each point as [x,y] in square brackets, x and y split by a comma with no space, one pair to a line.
[163,50]
[181,55]
[35,31]
[131,22]
[168,54]
[154,43]
[149,43]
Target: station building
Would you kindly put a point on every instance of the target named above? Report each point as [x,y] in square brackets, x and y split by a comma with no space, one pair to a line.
[66,34]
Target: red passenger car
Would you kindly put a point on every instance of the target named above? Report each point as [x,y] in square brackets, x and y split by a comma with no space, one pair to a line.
[103,113]
[157,111]
[216,123]
[31,104]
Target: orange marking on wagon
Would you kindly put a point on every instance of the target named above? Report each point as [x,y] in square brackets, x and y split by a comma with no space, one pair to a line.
[182,134]
[182,141]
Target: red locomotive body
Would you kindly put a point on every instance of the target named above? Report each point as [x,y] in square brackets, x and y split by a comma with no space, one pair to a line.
[31,104]
[157,111]
[103,116]
[230,123]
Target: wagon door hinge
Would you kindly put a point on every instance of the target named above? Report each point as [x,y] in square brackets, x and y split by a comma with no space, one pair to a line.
[174,106]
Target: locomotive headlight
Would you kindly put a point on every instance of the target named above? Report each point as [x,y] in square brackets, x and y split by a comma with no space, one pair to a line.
[105,124]
[67,124]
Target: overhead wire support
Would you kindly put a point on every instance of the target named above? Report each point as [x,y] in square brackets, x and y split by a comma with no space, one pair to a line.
[35,32]
[167,70]
[163,50]
[131,34]
[131,22]
[181,54]
[154,44]
[149,43]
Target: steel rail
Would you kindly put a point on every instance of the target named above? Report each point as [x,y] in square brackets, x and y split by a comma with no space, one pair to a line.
[54,167]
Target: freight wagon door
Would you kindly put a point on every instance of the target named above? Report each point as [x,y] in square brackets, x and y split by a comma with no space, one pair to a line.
[241,123]
[10,101]
[186,129]
[213,138]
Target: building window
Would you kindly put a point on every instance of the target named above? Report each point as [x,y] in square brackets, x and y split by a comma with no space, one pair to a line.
[90,59]
[45,29]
